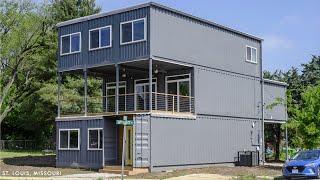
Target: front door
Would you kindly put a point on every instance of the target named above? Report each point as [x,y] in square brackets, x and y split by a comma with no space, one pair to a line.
[129,145]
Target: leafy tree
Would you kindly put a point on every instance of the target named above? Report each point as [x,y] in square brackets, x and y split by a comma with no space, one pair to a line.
[22,29]
[307,119]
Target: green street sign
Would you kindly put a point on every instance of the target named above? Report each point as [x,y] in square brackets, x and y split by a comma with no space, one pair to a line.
[122,122]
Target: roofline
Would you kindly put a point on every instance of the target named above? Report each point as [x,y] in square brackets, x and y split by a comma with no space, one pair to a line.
[275,82]
[149,4]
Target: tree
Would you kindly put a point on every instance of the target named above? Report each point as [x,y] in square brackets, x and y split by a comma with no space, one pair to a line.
[23,26]
[307,119]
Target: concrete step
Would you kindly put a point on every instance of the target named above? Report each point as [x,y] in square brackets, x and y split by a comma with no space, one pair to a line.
[130,168]
[126,172]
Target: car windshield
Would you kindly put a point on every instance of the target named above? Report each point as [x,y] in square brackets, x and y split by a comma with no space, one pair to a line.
[306,155]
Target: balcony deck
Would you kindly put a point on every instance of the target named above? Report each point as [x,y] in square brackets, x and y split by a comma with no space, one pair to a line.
[135,103]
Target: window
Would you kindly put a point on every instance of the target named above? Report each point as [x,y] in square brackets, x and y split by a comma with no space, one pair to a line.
[251,54]
[100,38]
[69,139]
[111,98]
[95,138]
[133,31]
[179,89]
[70,43]
[142,94]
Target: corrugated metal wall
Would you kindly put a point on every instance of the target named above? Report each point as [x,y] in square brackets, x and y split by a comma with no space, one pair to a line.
[271,93]
[142,141]
[117,53]
[83,157]
[227,94]
[205,140]
[199,43]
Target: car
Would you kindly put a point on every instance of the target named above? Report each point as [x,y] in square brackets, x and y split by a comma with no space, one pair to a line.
[304,163]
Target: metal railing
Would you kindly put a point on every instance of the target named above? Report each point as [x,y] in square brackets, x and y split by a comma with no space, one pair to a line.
[134,102]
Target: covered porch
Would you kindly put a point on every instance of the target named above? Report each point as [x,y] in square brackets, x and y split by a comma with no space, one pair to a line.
[142,86]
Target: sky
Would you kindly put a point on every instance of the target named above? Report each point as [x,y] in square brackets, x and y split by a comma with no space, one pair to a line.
[290,28]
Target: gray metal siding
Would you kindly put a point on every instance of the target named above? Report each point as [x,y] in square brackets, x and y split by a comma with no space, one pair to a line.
[205,140]
[271,93]
[73,61]
[142,141]
[110,142]
[114,54]
[83,157]
[177,37]
[226,94]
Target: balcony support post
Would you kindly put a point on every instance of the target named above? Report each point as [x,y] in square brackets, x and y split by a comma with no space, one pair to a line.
[150,84]
[85,92]
[117,89]
[59,91]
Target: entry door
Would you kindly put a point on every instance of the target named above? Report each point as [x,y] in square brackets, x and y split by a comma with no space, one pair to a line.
[129,145]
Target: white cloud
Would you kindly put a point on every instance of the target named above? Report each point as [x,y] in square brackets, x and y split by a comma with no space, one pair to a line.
[276,42]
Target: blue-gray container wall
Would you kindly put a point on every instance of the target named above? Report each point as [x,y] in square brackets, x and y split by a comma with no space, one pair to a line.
[274,94]
[79,158]
[114,54]
[200,141]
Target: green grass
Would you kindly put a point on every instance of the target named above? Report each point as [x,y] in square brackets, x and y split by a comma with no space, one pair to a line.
[11,154]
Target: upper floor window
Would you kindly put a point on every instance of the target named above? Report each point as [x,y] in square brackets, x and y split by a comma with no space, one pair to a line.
[251,55]
[100,37]
[70,43]
[133,31]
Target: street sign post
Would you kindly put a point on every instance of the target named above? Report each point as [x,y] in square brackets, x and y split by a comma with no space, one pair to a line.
[125,123]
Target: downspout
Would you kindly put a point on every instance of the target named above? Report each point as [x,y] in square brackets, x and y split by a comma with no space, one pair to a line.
[262,107]
[59,91]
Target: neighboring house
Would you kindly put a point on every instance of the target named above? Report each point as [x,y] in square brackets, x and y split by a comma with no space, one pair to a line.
[205,81]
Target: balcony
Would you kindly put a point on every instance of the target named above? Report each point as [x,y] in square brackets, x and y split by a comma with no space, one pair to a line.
[129,104]
[125,89]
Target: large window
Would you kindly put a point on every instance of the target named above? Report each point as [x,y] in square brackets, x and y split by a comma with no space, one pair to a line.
[100,37]
[95,138]
[133,31]
[142,94]
[251,54]
[111,96]
[69,139]
[179,90]
[70,43]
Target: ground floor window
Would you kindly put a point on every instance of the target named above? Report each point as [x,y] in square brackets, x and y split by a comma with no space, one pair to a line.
[69,139]
[95,138]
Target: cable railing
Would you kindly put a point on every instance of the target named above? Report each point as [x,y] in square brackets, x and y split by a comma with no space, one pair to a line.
[129,103]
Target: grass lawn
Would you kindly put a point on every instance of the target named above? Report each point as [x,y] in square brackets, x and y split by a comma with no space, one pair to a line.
[12,154]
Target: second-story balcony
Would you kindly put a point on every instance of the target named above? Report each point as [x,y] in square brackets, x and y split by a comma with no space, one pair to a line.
[130,103]
[125,89]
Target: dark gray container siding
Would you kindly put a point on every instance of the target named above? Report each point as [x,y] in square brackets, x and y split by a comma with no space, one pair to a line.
[201,141]
[114,54]
[83,157]
[200,43]
[272,92]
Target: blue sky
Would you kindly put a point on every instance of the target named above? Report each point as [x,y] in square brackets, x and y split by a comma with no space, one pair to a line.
[290,28]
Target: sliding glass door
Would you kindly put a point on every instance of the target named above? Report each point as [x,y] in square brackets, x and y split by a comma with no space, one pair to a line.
[142,94]
[179,93]
[111,96]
